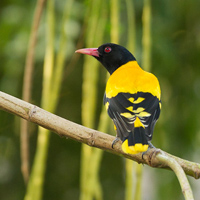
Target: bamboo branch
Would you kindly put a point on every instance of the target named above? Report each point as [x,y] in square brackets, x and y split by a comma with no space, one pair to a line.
[175,166]
[68,129]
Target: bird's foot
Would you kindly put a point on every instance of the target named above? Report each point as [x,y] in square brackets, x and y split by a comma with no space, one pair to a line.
[150,147]
[115,141]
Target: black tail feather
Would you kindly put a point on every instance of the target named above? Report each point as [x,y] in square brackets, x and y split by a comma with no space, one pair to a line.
[136,141]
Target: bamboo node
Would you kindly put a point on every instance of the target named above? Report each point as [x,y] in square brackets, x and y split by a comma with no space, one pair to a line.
[32,112]
[91,141]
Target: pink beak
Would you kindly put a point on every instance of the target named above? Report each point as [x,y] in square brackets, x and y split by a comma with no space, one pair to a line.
[89,51]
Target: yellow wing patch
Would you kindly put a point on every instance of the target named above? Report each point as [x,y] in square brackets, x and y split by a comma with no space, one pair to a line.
[139,100]
[131,99]
[140,109]
[107,105]
[130,108]
[143,114]
[139,112]
[127,115]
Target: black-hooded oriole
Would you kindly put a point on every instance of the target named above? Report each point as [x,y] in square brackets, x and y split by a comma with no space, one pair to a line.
[132,96]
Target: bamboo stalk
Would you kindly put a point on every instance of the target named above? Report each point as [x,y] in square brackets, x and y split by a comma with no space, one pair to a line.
[61,55]
[146,36]
[173,164]
[95,160]
[89,173]
[131,32]
[35,185]
[130,180]
[52,77]
[114,11]
[138,185]
[27,88]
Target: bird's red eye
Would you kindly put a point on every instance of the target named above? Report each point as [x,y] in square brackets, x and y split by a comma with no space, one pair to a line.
[107,49]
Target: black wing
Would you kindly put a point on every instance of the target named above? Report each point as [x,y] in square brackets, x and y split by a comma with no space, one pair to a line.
[125,107]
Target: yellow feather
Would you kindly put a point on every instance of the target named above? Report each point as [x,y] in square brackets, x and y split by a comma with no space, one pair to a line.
[144,114]
[140,109]
[127,115]
[137,148]
[126,149]
[131,99]
[138,123]
[107,105]
[130,108]
[130,78]
[139,100]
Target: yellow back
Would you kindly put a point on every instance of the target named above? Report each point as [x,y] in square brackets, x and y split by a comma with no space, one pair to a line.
[130,78]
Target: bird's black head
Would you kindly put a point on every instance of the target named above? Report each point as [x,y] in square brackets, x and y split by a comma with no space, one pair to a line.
[112,56]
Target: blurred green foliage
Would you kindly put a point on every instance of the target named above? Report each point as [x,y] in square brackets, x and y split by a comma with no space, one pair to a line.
[175,61]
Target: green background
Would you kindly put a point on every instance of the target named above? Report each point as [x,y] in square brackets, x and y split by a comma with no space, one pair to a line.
[175,60]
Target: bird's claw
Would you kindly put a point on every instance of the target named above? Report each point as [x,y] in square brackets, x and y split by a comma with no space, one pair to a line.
[151,146]
[115,141]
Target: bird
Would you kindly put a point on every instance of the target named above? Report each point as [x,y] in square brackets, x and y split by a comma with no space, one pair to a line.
[132,97]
